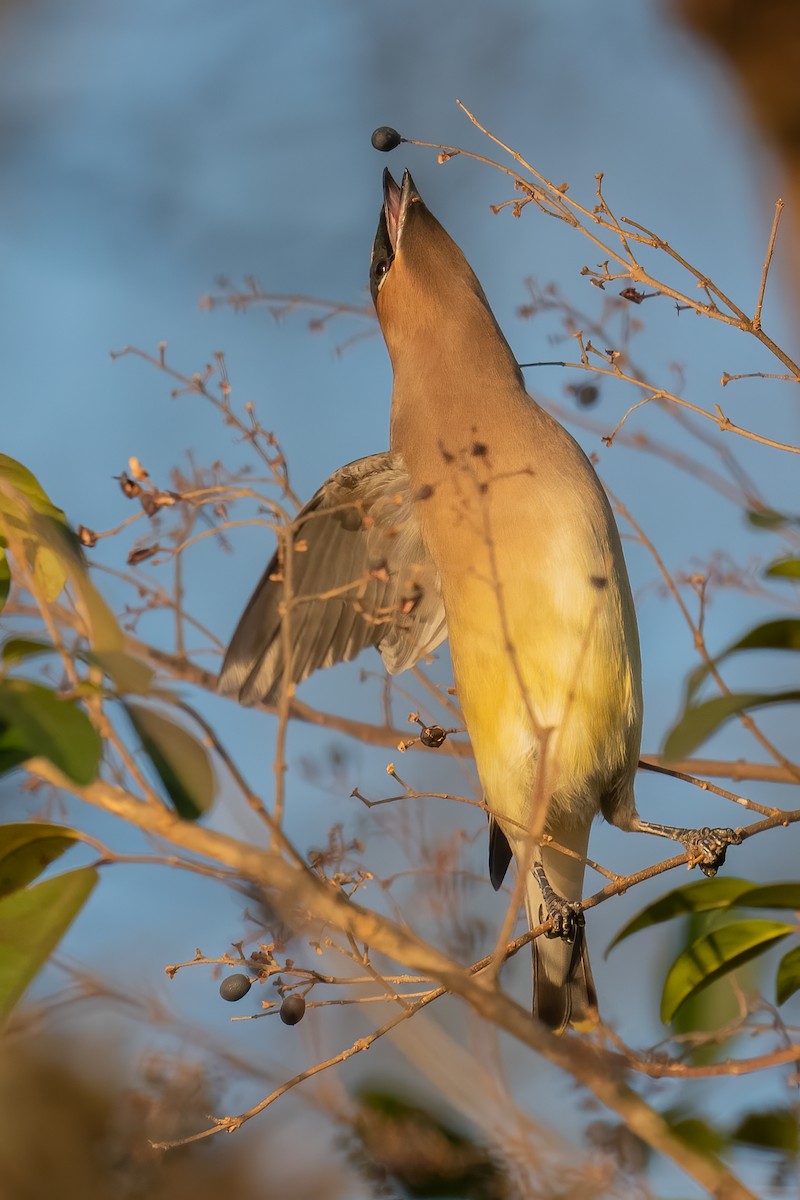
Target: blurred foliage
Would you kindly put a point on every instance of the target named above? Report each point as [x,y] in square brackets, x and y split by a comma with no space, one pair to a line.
[66,1135]
[405,1149]
[698,721]
[760,44]
[774,1129]
[770,1131]
[40,552]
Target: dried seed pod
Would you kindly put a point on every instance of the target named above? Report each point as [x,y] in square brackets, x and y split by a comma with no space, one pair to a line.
[145,552]
[433,736]
[130,487]
[136,469]
[87,537]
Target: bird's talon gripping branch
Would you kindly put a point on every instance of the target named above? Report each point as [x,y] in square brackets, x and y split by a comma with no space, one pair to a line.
[709,847]
[566,915]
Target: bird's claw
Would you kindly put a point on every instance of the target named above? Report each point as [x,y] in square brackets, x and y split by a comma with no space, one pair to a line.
[566,916]
[707,847]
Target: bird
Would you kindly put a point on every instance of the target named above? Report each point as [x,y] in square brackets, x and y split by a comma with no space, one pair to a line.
[484,523]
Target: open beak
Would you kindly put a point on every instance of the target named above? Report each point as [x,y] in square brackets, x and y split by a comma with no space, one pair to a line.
[396,203]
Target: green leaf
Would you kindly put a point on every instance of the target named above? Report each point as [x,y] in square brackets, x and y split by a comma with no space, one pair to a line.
[787,980]
[34,722]
[181,762]
[15,649]
[775,1129]
[770,518]
[5,578]
[699,1134]
[32,922]
[49,572]
[704,895]
[715,955]
[715,1008]
[19,479]
[106,634]
[128,674]
[699,721]
[13,750]
[783,634]
[105,631]
[788,568]
[772,895]
[52,549]
[23,503]
[27,848]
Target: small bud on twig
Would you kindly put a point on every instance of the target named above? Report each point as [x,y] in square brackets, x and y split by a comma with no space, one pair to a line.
[136,469]
[87,537]
[129,487]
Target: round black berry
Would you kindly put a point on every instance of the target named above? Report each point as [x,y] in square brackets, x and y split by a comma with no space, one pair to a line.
[587,395]
[234,987]
[385,138]
[292,1010]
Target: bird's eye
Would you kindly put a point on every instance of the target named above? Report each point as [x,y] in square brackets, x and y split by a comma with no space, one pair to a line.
[381,267]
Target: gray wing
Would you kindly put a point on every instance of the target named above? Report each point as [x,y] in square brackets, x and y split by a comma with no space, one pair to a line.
[360,576]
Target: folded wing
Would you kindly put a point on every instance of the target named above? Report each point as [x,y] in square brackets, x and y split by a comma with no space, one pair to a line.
[359,576]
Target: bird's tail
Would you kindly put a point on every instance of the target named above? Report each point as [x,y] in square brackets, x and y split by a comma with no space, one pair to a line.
[563,988]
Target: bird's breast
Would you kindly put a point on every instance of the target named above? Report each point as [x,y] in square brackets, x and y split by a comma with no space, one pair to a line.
[539,613]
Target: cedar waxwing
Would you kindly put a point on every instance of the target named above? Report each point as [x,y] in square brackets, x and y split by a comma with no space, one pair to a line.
[485,523]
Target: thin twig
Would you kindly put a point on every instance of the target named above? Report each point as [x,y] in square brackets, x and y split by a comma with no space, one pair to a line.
[644,765]
[768,259]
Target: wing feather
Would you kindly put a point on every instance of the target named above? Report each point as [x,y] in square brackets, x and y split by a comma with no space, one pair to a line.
[358,538]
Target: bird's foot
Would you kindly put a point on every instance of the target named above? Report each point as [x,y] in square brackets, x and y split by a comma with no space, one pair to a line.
[566,915]
[707,847]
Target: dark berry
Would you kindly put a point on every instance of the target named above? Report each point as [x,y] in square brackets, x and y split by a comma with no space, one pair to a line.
[234,987]
[587,395]
[385,138]
[292,1010]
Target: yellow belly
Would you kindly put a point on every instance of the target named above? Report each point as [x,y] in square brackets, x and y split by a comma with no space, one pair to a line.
[533,656]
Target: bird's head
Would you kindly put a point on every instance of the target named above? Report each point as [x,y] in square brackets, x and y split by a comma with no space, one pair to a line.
[422,285]
[412,248]
[415,263]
